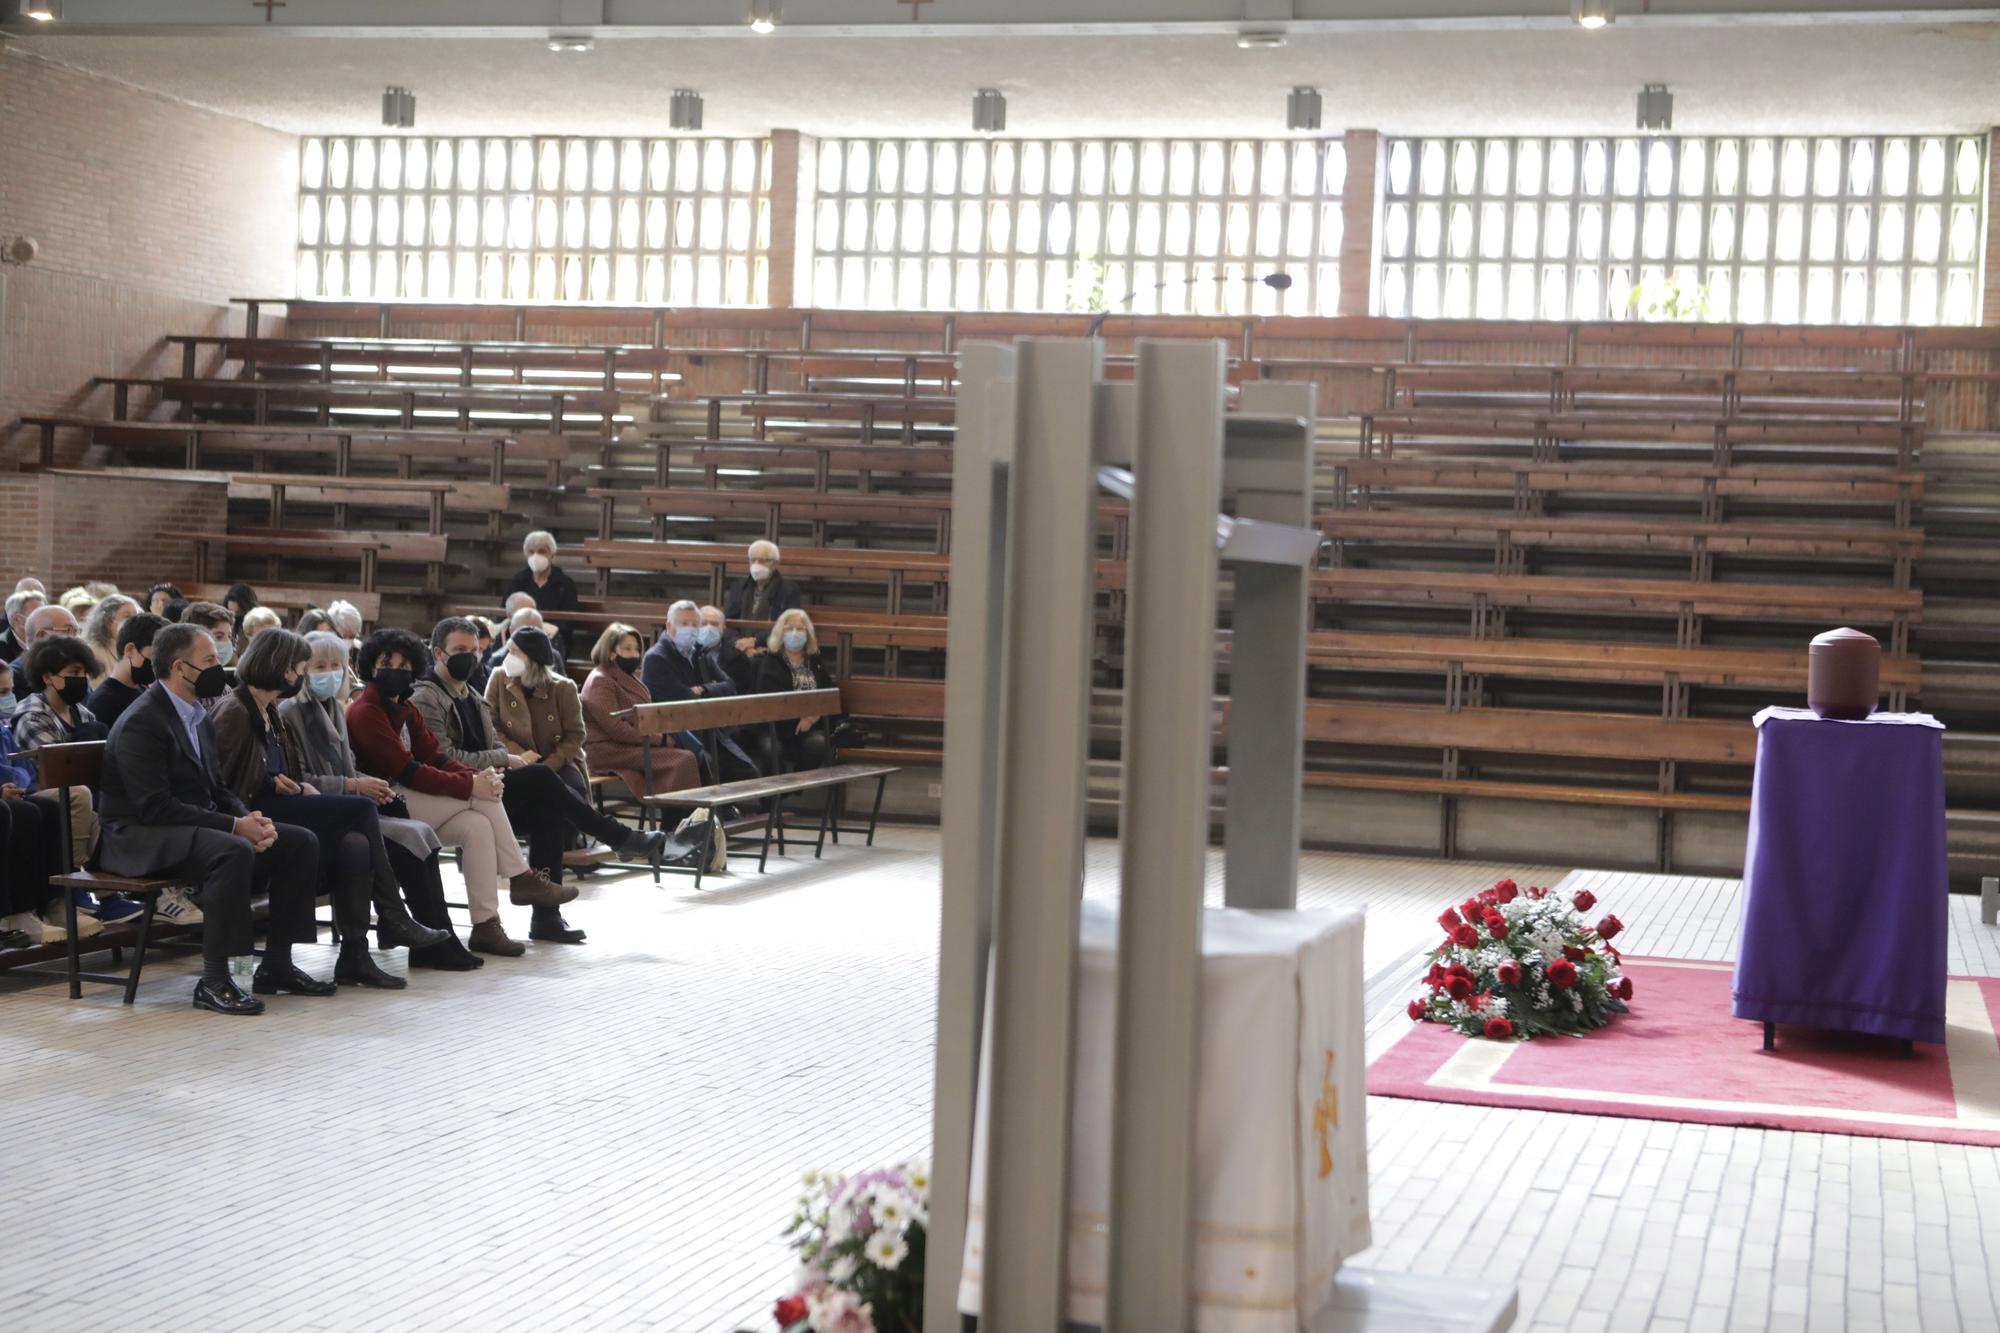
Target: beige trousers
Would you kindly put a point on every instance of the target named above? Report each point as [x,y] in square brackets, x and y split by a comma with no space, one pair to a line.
[82,821]
[484,836]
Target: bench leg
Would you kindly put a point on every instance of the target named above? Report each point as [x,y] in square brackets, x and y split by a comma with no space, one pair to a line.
[75,957]
[707,849]
[139,948]
[1989,901]
[825,818]
[1770,1035]
[770,822]
[875,815]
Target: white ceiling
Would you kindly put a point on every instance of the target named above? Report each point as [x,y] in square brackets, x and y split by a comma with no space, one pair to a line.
[1831,78]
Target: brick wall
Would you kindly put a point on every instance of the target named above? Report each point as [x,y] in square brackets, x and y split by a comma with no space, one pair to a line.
[66,528]
[150,214]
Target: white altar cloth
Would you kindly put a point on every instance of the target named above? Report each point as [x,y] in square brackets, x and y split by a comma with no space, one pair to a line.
[1281,1149]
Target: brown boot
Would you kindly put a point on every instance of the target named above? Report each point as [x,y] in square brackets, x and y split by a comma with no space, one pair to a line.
[532,887]
[489,936]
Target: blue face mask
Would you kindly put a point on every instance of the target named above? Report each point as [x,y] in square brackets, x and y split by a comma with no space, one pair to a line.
[324,684]
[685,638]
[709,636]
[795,640]
[8,703]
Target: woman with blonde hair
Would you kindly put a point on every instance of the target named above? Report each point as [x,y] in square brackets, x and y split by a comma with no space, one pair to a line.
[793,663]
[613,744]
[100,631]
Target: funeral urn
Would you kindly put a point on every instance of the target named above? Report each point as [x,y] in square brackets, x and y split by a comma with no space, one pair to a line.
[1843,674]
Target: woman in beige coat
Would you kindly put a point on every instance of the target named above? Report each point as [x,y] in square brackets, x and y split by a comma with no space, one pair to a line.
[614,745]
[536,711]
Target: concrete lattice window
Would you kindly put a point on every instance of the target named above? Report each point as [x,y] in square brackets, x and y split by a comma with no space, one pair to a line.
[1180,226]
[1882,230]
[660,221]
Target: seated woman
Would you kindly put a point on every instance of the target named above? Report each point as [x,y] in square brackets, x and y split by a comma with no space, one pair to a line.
[266,775]
[462,804]
[53,713]
[30,856]
[258,619]
[315,725]
[793,663]
[536,713]
[159,596]
[100,631]
[544,580]
[613,744]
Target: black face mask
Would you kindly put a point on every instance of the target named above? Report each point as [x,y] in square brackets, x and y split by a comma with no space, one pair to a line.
[460,665]
[290,688]
[142,674]
[210,683]
[393,682]
[75,689]
[628,665]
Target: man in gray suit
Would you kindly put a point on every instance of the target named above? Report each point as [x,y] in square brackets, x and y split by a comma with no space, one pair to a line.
[166,811]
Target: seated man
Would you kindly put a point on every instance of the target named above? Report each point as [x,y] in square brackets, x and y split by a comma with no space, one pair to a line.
[762,594]
[537,801]
[23,602]
[45,623]
[167,811]
[131,671]
[677,667]
[521,614]
[714,639]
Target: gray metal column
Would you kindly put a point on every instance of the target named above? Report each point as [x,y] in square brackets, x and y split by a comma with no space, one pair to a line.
[971,780]
[1269,466]
[1163,827]
[1050,580]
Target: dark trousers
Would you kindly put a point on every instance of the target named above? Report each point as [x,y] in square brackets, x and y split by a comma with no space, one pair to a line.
[423,890]
[354,863]
[731,759]
[31,839]
[785,750]
[228,871]
[545,808]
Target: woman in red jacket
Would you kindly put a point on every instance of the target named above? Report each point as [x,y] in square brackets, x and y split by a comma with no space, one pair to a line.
[391,742]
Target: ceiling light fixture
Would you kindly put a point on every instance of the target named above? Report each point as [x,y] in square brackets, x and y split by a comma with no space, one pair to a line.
[764,16]
[1656,109]
[399,109]
[572,42]
[684,110]
[43,11]
[1259,41]
[989,111]
[1593,14]
[1302,109]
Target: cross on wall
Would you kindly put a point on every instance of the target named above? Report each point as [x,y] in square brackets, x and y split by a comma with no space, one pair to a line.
[916,7]
[267,6]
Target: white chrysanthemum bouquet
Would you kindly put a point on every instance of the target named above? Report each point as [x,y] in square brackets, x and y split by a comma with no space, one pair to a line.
[1515,965]
[861,1239]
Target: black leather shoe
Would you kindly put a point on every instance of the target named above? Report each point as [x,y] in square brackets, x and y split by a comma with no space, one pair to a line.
[403,932]
[450,956]
[357,967]
[549,925]
[648,847]
[268,980]
[223,997]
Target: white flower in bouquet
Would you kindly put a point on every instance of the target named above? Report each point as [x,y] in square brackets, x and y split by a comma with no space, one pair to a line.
[919,1177]
[893,1208]
[886,1249]
[832,1310]
[843,1269]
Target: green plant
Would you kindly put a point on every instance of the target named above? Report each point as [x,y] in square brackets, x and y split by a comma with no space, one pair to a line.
[1086,286]
[1670,299]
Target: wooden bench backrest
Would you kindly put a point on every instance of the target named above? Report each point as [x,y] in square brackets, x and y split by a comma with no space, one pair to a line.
[664,719]
[294,599]
[78,764]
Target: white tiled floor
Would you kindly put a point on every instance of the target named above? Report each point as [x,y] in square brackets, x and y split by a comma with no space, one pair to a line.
[607,1137]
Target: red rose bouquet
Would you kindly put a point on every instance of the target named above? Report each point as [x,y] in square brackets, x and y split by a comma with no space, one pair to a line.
[1517,964]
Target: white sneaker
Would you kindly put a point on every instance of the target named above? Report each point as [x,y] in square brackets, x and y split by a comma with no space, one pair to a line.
[25,922]
[176,909]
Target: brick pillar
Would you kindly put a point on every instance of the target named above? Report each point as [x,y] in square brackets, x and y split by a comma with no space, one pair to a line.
[1991,310]
[1359,256]
[794,187]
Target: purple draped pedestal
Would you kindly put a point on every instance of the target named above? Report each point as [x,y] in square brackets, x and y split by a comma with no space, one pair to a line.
[1844,881]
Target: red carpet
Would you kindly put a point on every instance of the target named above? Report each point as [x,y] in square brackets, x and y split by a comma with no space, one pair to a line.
[1680,1056]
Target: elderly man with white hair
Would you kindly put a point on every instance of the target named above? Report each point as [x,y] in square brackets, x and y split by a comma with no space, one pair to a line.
[761,595]
[677,667]
[23,602]
[544,580]
[45,622]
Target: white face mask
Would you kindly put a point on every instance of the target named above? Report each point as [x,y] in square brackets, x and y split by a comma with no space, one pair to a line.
[539,563]
[225,649]
[516,666]
[760,570]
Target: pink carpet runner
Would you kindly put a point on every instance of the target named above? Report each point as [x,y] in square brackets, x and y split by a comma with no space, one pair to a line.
[1680,1056]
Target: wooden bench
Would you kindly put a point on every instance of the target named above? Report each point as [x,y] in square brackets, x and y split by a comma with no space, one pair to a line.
[1712,485]
[768,510]
[824,460]
[867,411]
[407,400]
[327,359]
[197,441]
[368,548]
[892,569]
[385,492]
[1545,434]
[659,720]
[293,599]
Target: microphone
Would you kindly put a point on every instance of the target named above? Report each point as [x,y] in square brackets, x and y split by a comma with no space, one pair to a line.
[1277,282]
